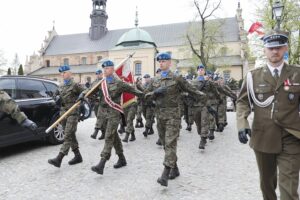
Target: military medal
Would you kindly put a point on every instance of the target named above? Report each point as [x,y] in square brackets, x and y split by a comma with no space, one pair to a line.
[260,96]
[291,96]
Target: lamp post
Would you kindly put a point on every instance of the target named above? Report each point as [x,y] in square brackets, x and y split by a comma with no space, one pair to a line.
[277,9]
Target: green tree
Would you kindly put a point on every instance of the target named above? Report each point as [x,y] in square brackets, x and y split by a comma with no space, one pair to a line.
[290,22]
[9,71]
[20,70]
[204,36]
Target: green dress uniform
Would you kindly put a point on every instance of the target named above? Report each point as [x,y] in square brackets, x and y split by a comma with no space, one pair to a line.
[274,123]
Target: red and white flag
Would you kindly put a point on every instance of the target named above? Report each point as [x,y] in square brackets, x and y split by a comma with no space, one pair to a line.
[256,27]
[125,73]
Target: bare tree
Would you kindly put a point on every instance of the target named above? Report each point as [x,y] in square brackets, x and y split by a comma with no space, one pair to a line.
[202,37]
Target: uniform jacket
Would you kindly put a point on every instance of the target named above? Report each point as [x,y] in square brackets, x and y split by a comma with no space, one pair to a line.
[267,122]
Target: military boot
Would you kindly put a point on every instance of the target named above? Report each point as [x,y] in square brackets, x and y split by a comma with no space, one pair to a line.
[151,131]
[99,168]
[77,157]
[126,137]
[221,127]
[189,127]
[174,173]
[163,180]
[121,162]
[121,129]
[158,142]
[132,137]
[211,135]
[141,123]
[146,132]
[137,124]
[57,161]
[202,143]
[102,135]
[94,135]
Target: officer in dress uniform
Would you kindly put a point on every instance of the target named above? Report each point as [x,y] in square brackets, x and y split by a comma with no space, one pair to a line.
[273,91]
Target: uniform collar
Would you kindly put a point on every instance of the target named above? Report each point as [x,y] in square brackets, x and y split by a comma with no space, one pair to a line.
[67,82]
[110,79]
[200,78]
[272,68]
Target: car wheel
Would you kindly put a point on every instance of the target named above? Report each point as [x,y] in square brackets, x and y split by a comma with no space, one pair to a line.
[57,134]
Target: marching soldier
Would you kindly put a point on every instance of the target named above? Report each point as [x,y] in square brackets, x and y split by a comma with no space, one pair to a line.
[222,107]
[9,106]
[203,111]
[165,89]
[273,91]
[100,123]
[148,109]
[109,99]
[68,92]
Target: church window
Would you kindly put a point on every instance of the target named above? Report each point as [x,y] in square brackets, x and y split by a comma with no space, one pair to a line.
[66,61]
[83,60]
[138,68]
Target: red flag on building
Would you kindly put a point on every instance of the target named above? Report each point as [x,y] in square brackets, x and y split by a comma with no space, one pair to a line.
[256,27]
[125,73]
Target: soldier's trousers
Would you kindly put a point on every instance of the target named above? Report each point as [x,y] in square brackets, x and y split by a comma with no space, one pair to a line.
[70,128]
[288,164]
[222,118]
[211,118]
[112,138]
[130,113]
[201,120]
[139,112]
[190,119]
[148,112]
[168,125]
[101,120]
[10,107]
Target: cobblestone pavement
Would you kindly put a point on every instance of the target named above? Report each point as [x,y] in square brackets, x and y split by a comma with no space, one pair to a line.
[226,170]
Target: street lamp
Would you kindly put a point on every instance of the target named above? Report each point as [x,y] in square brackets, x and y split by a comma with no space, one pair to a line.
[277,9]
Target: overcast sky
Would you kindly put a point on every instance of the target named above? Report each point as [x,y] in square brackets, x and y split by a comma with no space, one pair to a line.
[24,23]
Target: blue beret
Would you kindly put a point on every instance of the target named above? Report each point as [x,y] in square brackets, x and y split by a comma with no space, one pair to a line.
[146,76]
[64,68]
[163,56]
[99,71]
[275,39]
[107,63]
[200,67]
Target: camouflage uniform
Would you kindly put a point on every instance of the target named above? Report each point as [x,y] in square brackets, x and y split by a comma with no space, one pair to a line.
[130,112]
[69,93]
[222,106]
[115,89]
[100,123]
[10,107]
[168,111]
[148,108]
[139,119]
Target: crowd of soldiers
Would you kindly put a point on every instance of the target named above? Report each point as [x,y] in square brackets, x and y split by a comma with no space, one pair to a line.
[164,99]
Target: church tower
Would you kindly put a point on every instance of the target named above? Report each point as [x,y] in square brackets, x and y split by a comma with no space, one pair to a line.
[98,20]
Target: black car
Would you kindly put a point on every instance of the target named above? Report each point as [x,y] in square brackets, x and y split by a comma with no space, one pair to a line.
[35,98]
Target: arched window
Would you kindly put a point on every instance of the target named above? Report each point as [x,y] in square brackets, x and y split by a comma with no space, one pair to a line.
[138,68]
[66,61]
[47,63]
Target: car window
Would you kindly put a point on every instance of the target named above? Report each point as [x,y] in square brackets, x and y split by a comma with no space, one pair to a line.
[51,88]
[29,89]
[9,86]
